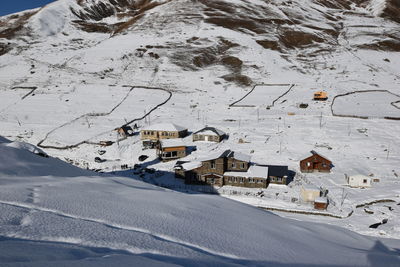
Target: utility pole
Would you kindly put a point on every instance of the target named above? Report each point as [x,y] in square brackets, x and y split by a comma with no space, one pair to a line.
[258,114]
[320,121]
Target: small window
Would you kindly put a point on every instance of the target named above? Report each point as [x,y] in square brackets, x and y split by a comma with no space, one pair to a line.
[308,164]
[212,164]
[365,181]
[242,165]
[233,164]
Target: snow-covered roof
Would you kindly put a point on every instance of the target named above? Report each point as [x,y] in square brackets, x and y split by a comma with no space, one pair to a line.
[187,166]
[254,171]
[359,176]
[172,143]
[313,152]
[210,131]
[310,187]
[321,200]
[214,155]
[239,156]
[165,127]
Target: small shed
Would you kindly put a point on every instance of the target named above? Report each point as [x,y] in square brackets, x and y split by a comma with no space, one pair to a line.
[321,203]
[315,163]
[358,180]
[309,193]
[320,95]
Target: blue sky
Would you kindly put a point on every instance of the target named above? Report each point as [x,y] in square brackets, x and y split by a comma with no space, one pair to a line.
[12,6]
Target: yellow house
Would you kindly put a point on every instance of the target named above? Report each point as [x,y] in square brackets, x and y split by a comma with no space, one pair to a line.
[153,133]
[320,95]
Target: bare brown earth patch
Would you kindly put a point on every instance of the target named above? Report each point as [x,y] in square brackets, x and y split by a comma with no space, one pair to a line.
[237,78]
[12,25]
[269,44]
[4,49]
[385,45]
[291,38]
[91,13]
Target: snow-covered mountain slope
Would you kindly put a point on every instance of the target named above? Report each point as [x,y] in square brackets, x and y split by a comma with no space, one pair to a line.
[77,216]
[73,71]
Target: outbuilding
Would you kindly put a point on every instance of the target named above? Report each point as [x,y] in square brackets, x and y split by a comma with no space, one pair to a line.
[309,193]
[358,180]
[321,203]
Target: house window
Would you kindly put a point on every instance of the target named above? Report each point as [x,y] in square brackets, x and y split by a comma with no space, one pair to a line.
[242,165]
[233,164]
[212,164]
[365,181]
[308,164]
[241,180]
[170,154]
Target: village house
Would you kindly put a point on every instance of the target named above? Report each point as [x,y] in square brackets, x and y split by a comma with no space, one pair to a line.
[358,180]
[210,134]
[125,131]
[170,149]
[223,168]
[152,134]
[315,163]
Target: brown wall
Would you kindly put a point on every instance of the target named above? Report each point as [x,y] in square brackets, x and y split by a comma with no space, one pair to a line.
[274,180]
[317,163]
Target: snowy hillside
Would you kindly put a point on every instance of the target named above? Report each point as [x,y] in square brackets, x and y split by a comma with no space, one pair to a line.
[79,217]
[75,70]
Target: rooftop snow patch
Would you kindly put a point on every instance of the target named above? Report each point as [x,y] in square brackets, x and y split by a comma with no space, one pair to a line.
[165,127]
[254,171]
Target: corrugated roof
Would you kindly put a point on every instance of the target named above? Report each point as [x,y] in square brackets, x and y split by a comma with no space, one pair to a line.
[165,127]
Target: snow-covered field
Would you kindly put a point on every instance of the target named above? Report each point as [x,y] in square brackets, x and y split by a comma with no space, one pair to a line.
[55,212]
[82,92]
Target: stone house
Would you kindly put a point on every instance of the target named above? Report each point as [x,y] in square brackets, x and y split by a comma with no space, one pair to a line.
[150,135]
[209,134]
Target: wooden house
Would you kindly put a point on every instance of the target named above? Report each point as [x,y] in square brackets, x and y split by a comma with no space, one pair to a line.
[209,134]
[309,193]
[358,180]
[125,131]
[223,168]
[171,149]
[320,95]
[151,134]
[315,163]
[321,203]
